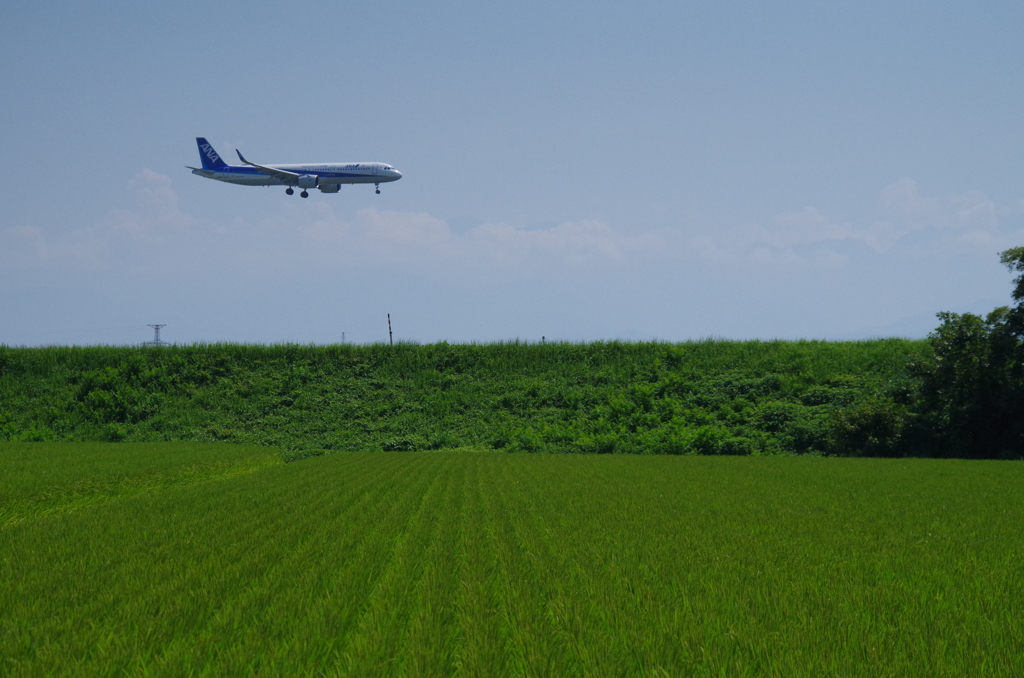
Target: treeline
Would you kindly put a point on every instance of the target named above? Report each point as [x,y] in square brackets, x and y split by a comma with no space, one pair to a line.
[957,394]
[969,396]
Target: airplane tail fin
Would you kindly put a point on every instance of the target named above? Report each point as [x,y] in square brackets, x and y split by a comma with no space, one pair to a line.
[209,156]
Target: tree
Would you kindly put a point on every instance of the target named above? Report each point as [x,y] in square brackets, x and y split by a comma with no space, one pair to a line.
[971,399]
[1014,260]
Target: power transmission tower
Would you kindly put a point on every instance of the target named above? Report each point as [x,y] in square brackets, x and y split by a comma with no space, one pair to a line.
[156,337]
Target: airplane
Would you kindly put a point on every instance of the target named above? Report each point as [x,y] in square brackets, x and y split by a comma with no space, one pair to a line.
[328,177]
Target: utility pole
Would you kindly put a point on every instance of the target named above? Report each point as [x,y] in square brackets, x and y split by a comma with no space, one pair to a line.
[391,339]
[156,337]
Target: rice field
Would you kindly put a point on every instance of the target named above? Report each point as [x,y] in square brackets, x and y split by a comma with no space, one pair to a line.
[44,478]
[472,563]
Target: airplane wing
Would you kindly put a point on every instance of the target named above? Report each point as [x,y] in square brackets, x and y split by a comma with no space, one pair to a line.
[289,177]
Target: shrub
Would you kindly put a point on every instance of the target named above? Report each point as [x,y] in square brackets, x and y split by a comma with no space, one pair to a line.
[872,429]
[404,444]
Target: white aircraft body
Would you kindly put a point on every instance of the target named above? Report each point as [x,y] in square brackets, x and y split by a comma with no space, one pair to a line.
[327,176]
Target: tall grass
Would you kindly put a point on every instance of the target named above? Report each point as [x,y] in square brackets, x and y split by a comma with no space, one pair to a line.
[816,358]
[707,396]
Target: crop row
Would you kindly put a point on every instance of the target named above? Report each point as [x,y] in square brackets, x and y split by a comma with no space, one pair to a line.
[47,478]
[484,564]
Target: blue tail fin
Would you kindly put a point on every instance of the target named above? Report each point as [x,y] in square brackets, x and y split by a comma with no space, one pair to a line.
[209,156]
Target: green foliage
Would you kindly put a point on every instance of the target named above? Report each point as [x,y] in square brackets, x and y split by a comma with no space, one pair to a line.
[404,444]
[972,387]
[708,397]
[963,398]
[462,564]
[1013,258]
[874,428]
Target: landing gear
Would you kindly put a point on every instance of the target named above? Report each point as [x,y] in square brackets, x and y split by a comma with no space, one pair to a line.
[289,191]
[304,194]
[377,186]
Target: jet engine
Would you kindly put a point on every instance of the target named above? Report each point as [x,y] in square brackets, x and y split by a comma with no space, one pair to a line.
[330,188]
[308,181]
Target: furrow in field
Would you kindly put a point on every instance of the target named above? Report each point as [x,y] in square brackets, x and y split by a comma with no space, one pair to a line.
[430,644]
[535,641]
[574,542]
[530,565]
[186,557]
[352,594]
[550,537]
[482,636]
[176,572]
[310,600]
[373,648]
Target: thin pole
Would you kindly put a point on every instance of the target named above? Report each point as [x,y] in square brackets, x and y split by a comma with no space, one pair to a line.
[391,339]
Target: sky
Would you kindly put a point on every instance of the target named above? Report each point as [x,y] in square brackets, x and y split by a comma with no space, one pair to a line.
[578,171]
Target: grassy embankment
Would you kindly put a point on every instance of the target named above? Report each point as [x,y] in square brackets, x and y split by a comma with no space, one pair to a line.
[708,397]
[510,564]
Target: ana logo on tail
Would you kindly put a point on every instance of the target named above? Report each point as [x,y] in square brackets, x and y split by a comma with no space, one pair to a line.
[210,153]
[209,157]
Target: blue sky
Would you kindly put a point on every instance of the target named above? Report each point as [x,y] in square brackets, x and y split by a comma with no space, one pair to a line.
[575,170]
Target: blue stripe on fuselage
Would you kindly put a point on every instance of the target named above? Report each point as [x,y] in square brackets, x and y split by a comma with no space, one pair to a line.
[245,169]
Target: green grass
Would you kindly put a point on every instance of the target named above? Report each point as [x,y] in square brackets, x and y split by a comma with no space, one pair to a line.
[458,564]
[45,478]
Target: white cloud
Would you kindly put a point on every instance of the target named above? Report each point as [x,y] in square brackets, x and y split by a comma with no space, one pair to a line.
[391,236]
[156,209]
[575,243]
[950,224]
[803,227]
[790,240]
[904,201]
[809,238]
[155,215]
[389,230]
[154,233]
[312,234]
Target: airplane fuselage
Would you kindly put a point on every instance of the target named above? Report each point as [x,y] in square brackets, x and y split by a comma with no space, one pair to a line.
[327,176]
